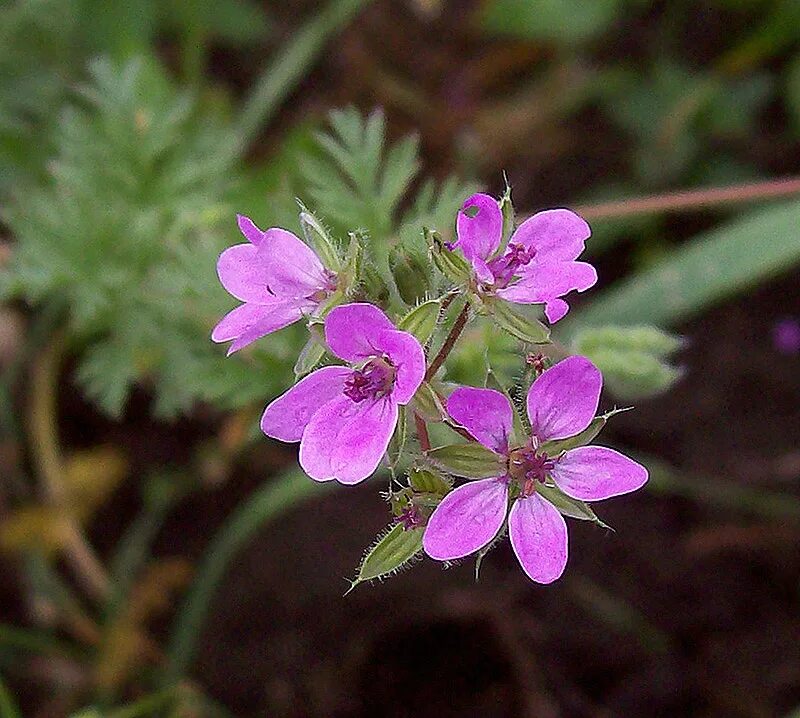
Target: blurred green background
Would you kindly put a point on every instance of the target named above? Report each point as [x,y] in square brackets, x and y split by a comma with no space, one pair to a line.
[162,558]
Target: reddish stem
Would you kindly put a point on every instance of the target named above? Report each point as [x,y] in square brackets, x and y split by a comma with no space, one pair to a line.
[449,343]
[692,199]
[422,432]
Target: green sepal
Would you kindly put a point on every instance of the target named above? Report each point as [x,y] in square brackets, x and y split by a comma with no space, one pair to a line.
[451,264]
[393,550]
[428,404]
[507,210]
[397,443]
[411,273]
[524,328]
[520,430]
[311,354]
[428,481]
[318,237]
[421,321]
[473,461]
[568,506]
[353,266]
[552,448]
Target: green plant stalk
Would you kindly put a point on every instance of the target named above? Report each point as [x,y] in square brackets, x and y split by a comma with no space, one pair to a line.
[280,77]
[267,504]
[38,642]
[8,706]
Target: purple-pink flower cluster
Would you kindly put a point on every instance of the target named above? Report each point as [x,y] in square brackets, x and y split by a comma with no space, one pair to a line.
[345,414]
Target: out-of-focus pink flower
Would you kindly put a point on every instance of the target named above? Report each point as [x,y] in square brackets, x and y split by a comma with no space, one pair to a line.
[344,417]
[561,403]
[538,265]
[277,276]
[786,336]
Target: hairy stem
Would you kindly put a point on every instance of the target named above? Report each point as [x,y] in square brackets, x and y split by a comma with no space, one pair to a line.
[43,431]
[449,343]
[692,199]
[422,432]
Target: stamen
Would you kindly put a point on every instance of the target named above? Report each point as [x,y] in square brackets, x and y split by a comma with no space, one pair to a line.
[374,379]
[506,267]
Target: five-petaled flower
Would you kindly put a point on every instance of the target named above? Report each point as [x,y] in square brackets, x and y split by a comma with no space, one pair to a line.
[344,417]
[277,276]
[538,265]
[561,403]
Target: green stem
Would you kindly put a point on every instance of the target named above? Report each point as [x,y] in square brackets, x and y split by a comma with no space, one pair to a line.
[147,706]
[267,504]
[281,76]
[8,706]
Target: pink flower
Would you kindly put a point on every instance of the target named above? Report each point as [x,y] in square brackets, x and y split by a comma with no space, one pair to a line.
[277,276]
[344,417]
[561,403]
[538,266]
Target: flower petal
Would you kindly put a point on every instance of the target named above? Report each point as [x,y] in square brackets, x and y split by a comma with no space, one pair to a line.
[564,399]
[290,266]
[538,536]
[249,322]
[485,413]
[352,330]
[408,356]
[242,274]
[543,282]
[593,473]
[466,520]
[479,235]
[287,416]
[555,234]
[248,228]
[346,440]
[555,309]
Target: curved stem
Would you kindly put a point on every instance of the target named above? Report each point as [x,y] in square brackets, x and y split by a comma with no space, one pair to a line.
[43,430]
[692,199]
[449,343]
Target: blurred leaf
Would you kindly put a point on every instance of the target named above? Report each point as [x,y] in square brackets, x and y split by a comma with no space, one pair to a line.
[90,476]
[792,94]
[35,528]
[725,261]
[559,21]
[127,231]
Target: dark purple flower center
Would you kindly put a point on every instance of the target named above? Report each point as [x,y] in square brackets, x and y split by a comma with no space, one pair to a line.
[505,268]
[529,467]
[409,518]
[374,379]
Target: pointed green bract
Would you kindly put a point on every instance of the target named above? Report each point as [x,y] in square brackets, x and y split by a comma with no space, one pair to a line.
[428,404]
[523,328]
[310,355]
[451,264]
[397,443]
[421,321]
[428,481]
[472,461]
[393,550]
[351,270]
[319,239]
[568,506]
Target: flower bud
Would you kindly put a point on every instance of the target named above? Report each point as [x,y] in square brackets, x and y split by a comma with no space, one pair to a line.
[411,275]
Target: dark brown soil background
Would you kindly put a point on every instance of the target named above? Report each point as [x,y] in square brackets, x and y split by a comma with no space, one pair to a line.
[689,609]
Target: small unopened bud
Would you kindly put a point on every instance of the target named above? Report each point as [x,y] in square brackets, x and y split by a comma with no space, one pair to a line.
[537,362]
[411,275]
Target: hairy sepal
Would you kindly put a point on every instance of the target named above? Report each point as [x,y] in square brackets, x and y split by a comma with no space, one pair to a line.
[472,461]
[318,237]
[421,320]
[395,549]
[567,506]
[517,325]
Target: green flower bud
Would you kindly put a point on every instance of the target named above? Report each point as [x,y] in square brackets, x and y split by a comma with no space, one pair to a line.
[411,275]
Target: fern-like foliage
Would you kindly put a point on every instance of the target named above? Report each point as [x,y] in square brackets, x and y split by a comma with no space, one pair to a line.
[126,233]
